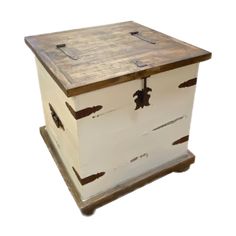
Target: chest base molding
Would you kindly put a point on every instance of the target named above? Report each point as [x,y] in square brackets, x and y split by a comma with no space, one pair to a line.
[88,207]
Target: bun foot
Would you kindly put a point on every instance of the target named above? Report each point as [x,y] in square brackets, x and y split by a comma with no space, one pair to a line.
[182,169]
[88,212]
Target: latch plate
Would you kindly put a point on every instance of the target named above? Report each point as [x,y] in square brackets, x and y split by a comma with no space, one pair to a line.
[143,96]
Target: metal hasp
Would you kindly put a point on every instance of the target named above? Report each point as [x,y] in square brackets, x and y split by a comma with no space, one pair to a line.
[142,96]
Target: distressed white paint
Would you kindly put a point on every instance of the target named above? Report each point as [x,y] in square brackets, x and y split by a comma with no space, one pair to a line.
[118,139]
[66,142]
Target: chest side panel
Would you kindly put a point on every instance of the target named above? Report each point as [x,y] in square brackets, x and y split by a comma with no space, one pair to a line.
[64,139]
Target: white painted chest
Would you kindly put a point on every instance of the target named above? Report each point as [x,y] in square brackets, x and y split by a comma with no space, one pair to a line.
[117,102]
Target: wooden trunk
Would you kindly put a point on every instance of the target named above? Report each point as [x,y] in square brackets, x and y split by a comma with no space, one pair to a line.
[117,102]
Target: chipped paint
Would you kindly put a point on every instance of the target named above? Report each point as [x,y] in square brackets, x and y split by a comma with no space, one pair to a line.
[84,112]
[188,83]
[88,179]
[169,123]
[104,113]
[181,140]
[139,157]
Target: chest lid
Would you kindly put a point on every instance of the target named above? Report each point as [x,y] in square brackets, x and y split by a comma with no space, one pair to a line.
[84,60]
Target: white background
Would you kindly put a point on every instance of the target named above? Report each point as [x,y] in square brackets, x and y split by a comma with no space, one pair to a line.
[33,197]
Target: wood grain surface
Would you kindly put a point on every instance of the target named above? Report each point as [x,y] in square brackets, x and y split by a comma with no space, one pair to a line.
[108,55]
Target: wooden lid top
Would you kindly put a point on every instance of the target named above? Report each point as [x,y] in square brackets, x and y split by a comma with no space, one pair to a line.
[87,59]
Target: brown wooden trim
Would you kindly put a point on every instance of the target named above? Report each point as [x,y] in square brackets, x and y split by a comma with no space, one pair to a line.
[84,112]
[181,140]
[188,83]
[74,91]
[88,179]
[70,92]
[88,206]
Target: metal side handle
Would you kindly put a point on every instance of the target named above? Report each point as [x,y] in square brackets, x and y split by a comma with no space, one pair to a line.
[140,36]
[72,53]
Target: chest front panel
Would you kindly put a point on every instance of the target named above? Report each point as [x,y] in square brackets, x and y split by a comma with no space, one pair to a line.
[125,142]
[116,139]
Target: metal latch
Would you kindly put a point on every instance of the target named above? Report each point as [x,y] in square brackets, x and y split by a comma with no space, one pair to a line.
[143,97]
